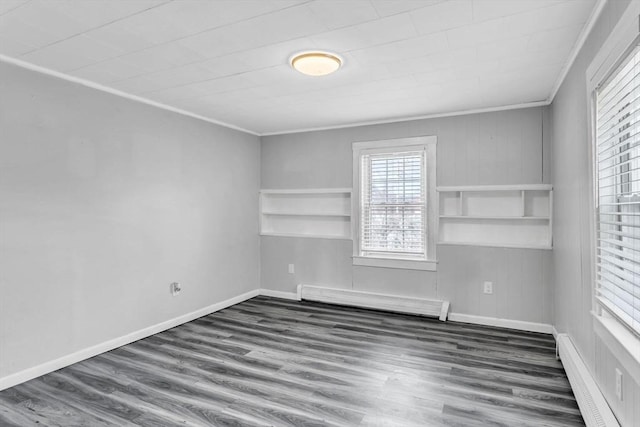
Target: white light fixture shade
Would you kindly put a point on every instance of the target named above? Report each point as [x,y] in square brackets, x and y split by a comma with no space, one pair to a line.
[316,63]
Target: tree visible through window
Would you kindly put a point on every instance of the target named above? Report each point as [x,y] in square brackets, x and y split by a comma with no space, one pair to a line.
[393,197]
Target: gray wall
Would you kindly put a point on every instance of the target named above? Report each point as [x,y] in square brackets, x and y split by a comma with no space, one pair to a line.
[510,147]
[103,203]
[571,255]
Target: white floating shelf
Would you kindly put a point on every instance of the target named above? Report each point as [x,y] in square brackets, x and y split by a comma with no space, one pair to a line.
[306,214]
[497,245]
[314,213]
[312,236]
[525,187]
[497,218]
[303,191]
[508,216]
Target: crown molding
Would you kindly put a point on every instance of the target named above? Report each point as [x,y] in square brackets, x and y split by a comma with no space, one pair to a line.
[577,47]
[412,118]
[116,92]
[136,98]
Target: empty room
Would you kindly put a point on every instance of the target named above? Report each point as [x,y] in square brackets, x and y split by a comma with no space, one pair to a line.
[320,213]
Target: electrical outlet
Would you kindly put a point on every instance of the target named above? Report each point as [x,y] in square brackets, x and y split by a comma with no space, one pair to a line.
[488,287]
[292,269]
[618,384]
[175,288]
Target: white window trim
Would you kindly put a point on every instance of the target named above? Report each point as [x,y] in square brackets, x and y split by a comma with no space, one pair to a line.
[429,144]
[614,50]
[620,341]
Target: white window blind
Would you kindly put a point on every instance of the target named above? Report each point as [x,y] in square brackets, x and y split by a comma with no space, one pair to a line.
[393,204]
[618,193]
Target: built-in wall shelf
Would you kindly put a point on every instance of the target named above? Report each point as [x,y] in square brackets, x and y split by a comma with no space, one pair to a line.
[509,216]
[316,213]
[497,218]
[495,245]
[305,214]
[313,236]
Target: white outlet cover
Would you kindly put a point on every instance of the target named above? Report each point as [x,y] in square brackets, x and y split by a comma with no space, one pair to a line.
[175,288]
[488,287]
[618,384]
[292,269]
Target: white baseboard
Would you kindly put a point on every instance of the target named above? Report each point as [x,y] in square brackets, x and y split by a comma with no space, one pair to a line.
[592,404]
[555,334]
[400,304]
[53,365]
[503,323]
[279,294]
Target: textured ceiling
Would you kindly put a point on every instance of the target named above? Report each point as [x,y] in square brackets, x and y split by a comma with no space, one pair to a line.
[227,60]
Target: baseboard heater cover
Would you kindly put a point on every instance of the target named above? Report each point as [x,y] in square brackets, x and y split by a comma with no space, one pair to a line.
[399,304]
[592,404]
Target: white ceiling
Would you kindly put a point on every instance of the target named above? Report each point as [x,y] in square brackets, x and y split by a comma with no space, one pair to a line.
[227,60]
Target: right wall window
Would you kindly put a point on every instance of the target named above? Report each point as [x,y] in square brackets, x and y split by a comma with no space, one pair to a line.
[617,174]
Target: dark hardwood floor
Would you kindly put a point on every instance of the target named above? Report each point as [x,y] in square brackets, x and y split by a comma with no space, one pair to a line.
[274,362]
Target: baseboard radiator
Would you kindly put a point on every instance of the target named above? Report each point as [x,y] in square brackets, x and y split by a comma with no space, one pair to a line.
[593,406]
[399,304]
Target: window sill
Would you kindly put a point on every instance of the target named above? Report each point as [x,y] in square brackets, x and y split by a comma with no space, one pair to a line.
[405,264]
[621,342]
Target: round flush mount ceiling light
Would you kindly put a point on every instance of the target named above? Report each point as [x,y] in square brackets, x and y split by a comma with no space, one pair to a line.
[316,63]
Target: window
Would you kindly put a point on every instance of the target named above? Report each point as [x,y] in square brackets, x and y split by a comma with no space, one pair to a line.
[394,206]
[617,171]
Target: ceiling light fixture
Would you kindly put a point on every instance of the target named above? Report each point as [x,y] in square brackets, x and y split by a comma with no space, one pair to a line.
[316,63]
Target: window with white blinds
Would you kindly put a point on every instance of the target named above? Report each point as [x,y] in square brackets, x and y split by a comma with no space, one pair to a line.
[617,156]
[393,204]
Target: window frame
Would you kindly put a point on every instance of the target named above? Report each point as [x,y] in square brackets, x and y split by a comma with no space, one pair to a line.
[426,143]
[621,42]
[621,174]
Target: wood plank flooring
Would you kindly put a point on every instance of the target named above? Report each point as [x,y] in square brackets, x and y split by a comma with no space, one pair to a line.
[272,362]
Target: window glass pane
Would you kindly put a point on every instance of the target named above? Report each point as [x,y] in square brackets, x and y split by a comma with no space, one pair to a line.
[393,203]
[618,193]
